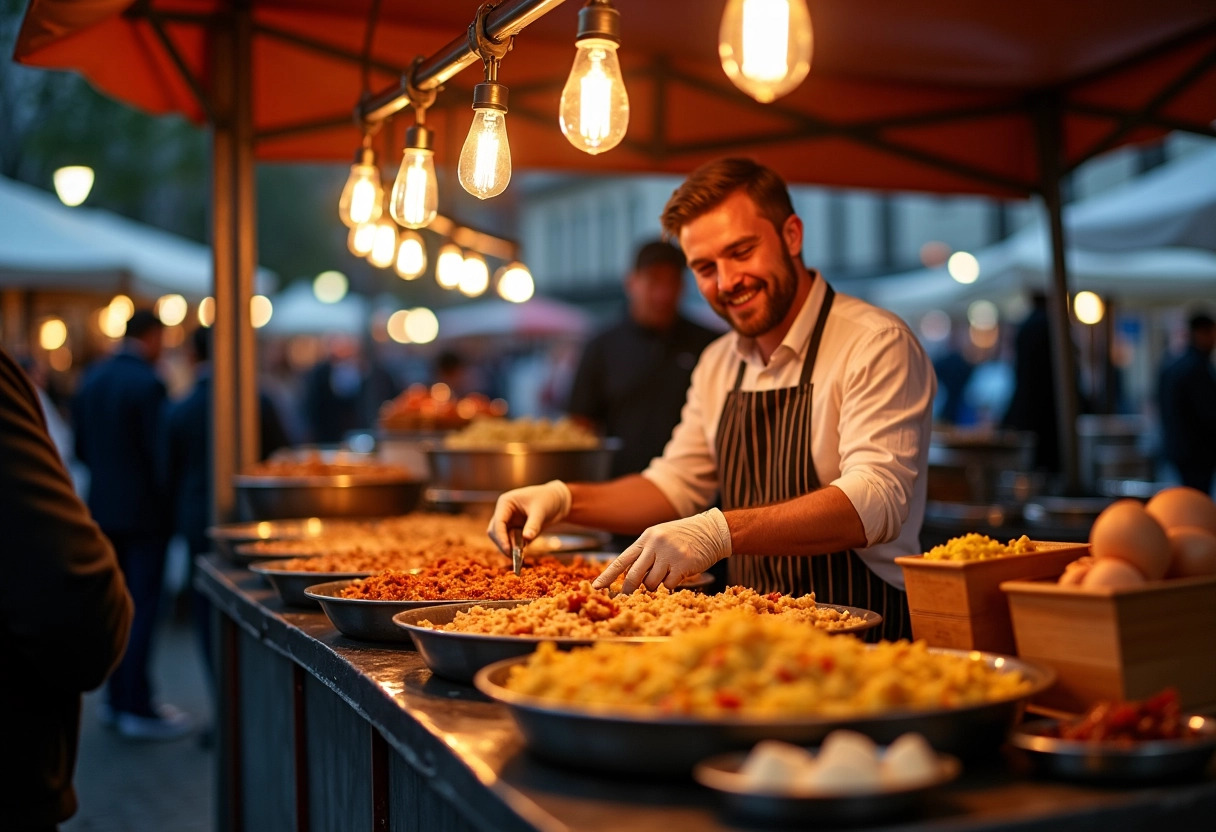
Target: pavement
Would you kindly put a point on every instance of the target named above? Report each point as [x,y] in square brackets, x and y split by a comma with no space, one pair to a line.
[132,786]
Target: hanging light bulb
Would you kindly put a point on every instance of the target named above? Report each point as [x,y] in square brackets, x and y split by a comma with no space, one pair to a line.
[415,199]
[594,110]
[361,239]
[515,283]
[384,244]
[485,160]
[765,46]
[449,266]
[474,275]
[362,196]
[411,255]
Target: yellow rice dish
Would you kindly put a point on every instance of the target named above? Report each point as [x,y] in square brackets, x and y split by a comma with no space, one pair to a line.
[760,666]
[593,613]
[978,547]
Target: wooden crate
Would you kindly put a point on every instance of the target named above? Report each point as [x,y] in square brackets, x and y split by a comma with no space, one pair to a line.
[1119,644]
[960,604]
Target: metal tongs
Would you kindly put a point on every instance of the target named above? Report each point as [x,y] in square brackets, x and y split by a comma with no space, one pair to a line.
[515,536]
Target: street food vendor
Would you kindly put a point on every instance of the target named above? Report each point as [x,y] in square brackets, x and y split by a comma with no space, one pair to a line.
[810,422]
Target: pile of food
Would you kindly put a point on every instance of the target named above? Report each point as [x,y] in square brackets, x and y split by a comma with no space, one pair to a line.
[540,433]
[584,612]
[1173,536]
[434,408]
[978,547]
[428,536]
[465,580]
[402,559]
[761,666]
[1125,723]
[313,465]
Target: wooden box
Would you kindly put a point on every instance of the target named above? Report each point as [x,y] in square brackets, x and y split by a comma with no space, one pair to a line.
[960,604]
[1119,644]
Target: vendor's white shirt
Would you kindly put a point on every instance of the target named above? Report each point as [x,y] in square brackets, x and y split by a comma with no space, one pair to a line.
[871,417]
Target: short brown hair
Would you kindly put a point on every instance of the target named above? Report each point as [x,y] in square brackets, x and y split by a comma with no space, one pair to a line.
[709,185]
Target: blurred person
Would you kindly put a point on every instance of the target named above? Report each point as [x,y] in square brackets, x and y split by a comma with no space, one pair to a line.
[343,391]
[1186,397]
[811,420]
[953,369]
[1032,407]
[632,378]
[186,457]
[64,612]
[117,413]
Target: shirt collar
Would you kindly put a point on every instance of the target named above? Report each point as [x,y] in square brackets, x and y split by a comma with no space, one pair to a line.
[793,345]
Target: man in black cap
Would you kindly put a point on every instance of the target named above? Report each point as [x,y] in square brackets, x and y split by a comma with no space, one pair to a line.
[117,414]
[633,378]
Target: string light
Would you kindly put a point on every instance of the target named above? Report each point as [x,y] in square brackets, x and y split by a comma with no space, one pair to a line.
[594,109]
[474,275]
[411,256]
[362,196]
[515,282]
[415,198]
[73,184]
[765,46]
[449,266]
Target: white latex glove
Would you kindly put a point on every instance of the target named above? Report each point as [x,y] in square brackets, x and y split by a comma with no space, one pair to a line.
[533,507]
[670,552]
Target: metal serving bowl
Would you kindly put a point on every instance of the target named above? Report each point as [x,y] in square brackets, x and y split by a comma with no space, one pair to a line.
[291,585]
[488,471]
[632,743]
[338,495]
[1148,760]
[365,619]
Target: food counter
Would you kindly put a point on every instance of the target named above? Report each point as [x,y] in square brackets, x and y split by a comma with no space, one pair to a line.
[318,731]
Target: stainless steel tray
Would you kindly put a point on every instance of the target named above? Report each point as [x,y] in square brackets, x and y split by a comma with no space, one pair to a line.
[227,536]
[630,743]
[291,585]
[721,774]
[339,495]
[458,656]
[363,619]
[1110,762]
[498,468]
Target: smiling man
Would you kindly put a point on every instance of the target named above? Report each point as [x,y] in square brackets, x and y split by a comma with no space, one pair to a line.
[810,421]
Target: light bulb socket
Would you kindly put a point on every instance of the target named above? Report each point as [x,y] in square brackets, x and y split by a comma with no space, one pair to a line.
[365,156]
[599,19]
[490,95]
[419,138]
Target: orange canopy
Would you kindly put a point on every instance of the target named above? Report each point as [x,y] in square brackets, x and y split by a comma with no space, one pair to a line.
[936,95]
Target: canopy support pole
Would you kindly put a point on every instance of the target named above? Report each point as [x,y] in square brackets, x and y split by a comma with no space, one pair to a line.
[1049,144]
[234,404]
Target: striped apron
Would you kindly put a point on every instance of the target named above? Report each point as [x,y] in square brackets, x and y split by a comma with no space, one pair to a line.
[764,453]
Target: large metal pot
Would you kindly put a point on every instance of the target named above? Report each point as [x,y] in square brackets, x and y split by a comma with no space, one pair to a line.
[339,495]
[481,474]
[967,466]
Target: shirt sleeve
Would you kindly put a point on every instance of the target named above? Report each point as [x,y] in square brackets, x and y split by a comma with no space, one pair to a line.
[687,472]
[64,608]
[886,412]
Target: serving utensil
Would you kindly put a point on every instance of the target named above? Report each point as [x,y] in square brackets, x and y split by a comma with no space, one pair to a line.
[517,549]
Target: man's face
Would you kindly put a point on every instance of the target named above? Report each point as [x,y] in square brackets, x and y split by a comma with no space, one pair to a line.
[654,295]
[743,266]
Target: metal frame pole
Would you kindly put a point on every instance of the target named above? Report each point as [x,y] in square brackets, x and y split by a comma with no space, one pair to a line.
[1048,135]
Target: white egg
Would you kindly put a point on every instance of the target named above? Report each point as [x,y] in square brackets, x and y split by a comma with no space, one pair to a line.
[908,762]
[842,777]
[774,766]
[847,745]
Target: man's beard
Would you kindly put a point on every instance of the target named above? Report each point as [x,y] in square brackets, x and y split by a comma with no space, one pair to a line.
[780,293]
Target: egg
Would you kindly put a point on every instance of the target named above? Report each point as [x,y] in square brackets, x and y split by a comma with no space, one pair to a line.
[1182,506]
[848,745]
[842,778]
[908,762]
[1124,530]
[1112,573]
[1076,571]
[774,766]
[1193,552]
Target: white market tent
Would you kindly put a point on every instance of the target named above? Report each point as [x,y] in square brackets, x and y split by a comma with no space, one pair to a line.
[1151,241]
[44,244]
[298,312]
[535,317]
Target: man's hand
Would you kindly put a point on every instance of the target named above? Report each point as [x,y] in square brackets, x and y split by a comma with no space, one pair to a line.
[670,552]
[533,507]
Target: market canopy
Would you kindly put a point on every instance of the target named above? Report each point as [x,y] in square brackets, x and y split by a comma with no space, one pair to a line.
[298,312]
[537,317]
[44,244]
[935,95]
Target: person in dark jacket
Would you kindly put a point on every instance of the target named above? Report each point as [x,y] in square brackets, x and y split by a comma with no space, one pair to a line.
[64,612]
[117,414]
[1186,396]
[632,378]
[187,460]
